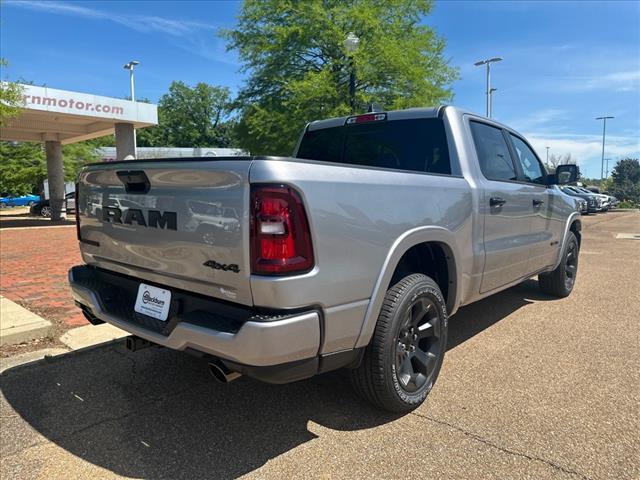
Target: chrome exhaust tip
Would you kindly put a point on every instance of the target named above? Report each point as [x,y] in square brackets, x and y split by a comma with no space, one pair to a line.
[221,373]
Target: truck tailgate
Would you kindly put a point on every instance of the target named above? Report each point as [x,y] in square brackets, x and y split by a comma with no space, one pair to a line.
[178,223]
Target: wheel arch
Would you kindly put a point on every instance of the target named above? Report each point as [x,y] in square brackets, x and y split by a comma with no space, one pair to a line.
[439,244]
[574,224]
[576,228]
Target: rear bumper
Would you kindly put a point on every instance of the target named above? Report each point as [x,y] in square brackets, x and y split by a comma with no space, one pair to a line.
[234,333]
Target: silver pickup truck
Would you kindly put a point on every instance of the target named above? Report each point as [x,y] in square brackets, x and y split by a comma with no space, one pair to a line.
[352,253]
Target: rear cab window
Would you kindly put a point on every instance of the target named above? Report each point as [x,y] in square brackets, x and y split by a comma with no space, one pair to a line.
[417,145]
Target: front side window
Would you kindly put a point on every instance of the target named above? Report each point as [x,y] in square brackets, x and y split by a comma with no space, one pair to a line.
[493,153]
[531,167]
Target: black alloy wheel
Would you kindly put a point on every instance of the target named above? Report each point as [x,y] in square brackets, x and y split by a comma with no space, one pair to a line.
[571,265]
[418,345]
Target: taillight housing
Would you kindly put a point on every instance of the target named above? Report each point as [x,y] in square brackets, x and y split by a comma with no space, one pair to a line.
[280,235]
[77,210]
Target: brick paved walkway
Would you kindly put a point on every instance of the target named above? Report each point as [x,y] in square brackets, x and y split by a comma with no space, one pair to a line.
[33,266]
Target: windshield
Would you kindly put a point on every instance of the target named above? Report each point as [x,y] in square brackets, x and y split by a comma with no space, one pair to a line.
[418,145]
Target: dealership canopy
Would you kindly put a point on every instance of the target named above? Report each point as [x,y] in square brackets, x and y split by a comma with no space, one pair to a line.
[58,117]
[68,117]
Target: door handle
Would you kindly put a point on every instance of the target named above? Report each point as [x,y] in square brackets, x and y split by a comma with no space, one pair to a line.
[497,201]
[537,203]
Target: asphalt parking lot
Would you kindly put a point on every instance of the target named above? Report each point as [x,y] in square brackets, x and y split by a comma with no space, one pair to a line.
[532,387]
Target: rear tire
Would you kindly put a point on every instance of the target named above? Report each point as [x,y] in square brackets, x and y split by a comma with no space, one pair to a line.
[561,281]
[45,211]
[403,359]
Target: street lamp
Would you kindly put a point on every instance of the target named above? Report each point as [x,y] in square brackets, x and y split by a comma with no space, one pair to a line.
[129,66]
[488,63]
[604,130]
[547,157]
[351,44]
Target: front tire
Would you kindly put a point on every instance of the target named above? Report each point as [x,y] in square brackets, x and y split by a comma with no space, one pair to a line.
[403,359]
[561,281]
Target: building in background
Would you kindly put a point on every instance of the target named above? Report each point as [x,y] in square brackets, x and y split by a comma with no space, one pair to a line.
[108,154]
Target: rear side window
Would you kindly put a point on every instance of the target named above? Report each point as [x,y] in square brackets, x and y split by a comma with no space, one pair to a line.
[418,145]
[493,153]
[325,145]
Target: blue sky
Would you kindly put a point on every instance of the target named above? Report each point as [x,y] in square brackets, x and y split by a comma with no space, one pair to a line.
[565,63]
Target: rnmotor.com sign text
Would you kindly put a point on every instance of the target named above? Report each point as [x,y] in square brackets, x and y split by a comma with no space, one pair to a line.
[72,103]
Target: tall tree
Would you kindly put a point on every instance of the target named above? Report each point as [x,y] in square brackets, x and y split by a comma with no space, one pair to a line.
[566,159]
[299,68]
[626,180]
[626,170]
[191,117]
[10,97]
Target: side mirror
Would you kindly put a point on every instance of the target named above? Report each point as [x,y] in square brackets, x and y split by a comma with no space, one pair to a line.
[564,174]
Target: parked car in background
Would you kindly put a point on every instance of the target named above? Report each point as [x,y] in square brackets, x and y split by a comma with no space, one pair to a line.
[581,206]
[591,199]
[613,200]
[18,200]
[605,203]
[42,208]
[70,200]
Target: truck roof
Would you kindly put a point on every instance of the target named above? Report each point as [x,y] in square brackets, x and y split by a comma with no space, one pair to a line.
[405,114]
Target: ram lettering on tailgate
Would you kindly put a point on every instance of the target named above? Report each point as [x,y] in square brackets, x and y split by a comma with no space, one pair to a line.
[156,218]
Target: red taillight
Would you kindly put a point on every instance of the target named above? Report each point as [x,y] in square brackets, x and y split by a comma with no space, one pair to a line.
[369,117]
[77,212]
[280,236]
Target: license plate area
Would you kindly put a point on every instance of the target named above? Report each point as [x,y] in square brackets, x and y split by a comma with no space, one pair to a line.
[153,302]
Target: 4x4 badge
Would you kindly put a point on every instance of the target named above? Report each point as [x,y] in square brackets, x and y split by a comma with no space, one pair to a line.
[232,267]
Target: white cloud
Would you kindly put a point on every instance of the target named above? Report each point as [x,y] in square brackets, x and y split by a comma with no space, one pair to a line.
[141,23]
[621,81]
[585,149]
[538,119]
[195,37]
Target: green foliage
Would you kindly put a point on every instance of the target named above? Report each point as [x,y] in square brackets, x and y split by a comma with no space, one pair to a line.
[299,69]
[10,98]
[76,155]
[628,204]
[627,170]
[191,117]
[23,167]
[626,180]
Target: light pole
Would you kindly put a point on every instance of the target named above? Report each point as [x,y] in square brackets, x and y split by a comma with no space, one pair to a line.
[491,90]
[351,44]
[547,157]
[604,131]
[488,63]
[129,66]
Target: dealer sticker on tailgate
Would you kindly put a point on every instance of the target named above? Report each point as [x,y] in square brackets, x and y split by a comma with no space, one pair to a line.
[153,301]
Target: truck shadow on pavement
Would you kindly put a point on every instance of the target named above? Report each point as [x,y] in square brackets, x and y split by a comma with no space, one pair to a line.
[157,413]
